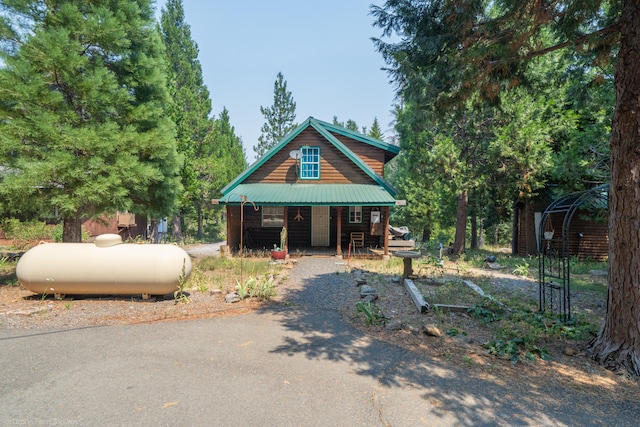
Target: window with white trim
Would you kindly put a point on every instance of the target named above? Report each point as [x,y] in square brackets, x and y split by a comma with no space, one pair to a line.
[272,216]
[355,214]
[310,163]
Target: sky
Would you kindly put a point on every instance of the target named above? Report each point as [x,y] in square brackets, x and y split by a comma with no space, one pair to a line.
[323,49]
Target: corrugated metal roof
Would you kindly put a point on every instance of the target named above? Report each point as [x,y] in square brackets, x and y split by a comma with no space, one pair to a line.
[310,195]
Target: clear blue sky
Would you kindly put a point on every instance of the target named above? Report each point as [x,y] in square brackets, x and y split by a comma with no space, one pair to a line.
[323,49]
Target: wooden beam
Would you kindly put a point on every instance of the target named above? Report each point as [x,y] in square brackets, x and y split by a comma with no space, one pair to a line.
[385,232]
[339,231]
[415,295]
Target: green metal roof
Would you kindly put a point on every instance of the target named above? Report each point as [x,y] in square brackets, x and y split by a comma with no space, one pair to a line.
[324,129]
[310,195]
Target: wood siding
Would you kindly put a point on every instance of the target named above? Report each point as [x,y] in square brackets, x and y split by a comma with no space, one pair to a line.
[374,157]
[594,243]
[299,229]
[335,167]
[109,224]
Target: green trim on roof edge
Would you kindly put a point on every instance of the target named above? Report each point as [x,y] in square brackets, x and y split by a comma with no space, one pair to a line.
[323,129]
[393,149]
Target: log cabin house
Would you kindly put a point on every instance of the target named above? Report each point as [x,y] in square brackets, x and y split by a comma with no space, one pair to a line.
[324,183]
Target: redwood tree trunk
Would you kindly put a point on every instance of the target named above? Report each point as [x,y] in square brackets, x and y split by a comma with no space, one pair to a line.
[618,344]
[72,229]
[461,223]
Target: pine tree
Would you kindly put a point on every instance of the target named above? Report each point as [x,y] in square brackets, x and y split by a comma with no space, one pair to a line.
[280,117]
[217,161]
[83,122]
[375,131]
[191,102]
[476,50]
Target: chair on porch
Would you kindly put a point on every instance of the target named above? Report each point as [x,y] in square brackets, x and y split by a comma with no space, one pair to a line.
[357,239]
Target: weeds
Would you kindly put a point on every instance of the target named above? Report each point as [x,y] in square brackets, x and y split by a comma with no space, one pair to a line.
[263,288]
[179,295]
[521,270]
[373,313]
[520,332]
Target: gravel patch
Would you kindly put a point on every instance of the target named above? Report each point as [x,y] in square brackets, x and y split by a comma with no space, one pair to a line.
[320,282]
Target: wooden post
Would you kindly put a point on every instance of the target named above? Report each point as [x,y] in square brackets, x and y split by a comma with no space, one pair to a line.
[339,231]
[286,224]
[385,231]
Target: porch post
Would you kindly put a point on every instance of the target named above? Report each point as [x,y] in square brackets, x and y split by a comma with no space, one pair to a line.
[286,224]
[339,231]
[385,231]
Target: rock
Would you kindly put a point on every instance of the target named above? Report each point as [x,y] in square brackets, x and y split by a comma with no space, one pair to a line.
[432,331]
[367,290]
[395,279]
[361,281]
[214,292]
[370,298]
[30,311]
[394,325]
[232,297]
[463,339]
[569,351]
[412,329]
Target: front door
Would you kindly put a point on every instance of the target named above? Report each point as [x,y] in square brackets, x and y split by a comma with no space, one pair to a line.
[319,225]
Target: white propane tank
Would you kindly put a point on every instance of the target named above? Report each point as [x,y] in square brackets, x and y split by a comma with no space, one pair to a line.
[106,266]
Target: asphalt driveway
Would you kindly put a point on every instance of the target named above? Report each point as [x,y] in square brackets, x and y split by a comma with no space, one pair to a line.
[296,364]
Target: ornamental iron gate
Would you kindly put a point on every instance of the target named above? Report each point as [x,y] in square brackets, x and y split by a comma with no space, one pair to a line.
[554,259]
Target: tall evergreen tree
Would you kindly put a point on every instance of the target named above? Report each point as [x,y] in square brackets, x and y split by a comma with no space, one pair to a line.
[280,117]
[375,131]
[83,122]
[217,161]
[191,102]
[463,48]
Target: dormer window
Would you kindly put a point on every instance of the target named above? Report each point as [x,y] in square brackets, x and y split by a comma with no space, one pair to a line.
[310,163]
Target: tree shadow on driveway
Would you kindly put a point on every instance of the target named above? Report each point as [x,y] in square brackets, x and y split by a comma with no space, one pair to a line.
[414,389]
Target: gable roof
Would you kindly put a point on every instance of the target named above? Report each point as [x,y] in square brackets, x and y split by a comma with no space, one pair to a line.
[325,129]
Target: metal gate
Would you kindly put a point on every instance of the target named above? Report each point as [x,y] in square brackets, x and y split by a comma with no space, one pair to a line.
[554,259]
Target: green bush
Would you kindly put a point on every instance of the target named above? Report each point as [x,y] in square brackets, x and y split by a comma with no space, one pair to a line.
[25,233]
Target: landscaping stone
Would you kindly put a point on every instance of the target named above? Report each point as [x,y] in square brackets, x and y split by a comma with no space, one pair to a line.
[361,281]
[367,290]
[232,297]
[394,325]
[370,298]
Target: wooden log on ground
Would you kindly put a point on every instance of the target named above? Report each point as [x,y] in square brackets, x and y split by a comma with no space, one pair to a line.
[417,298]
[446,308]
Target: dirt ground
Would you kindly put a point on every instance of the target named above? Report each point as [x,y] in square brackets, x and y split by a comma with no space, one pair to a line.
[569,367]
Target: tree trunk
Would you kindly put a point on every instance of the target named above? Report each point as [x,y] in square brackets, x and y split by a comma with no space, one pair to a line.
[531,240]
[426,233]
[72,229]
[176,228]
[461,223]
[474,232]
[199,213]
[515,231]
[618,344]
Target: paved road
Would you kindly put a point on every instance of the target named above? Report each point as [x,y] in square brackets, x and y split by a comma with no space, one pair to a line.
[287,365]
[203,250]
